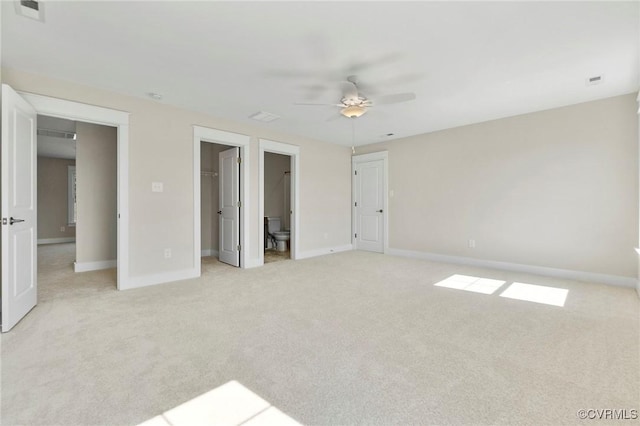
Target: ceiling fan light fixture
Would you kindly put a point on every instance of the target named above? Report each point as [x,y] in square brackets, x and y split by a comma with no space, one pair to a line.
[353,111]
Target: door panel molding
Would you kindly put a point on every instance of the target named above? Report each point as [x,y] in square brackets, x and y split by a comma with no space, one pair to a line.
[19,202]
[365,158]
[228,198]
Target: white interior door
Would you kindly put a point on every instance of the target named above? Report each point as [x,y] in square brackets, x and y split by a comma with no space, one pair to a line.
[19,198]
[229,213]
[369,205]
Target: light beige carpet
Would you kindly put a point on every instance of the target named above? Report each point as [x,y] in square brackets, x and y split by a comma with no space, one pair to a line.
[349,338]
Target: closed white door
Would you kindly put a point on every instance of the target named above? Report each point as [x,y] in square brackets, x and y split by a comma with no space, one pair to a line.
[19,198]
[369,205]
[229,213]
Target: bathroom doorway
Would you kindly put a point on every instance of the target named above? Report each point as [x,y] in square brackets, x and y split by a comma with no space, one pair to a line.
[277,207]
[278,200]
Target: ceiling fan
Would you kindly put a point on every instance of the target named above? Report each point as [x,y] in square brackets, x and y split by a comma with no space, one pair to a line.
[354,104]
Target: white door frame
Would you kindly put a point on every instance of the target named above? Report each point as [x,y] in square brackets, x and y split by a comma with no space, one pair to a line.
[70,110]
[364,158]
[206,134]
[293,151]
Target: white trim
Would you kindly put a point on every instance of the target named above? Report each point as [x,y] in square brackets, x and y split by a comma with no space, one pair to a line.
[161,278]
[71,193]
[266,145]
[517,267]
[209,252]
[94,266]
[253,262]
[61,240]
[205,134]
[364,158]
[324,251]
[77,111]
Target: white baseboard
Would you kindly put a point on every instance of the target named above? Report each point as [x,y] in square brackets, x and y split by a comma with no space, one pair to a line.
[94,266]
[56,240]
[153,279]
[516,267]
[208,252]
[322,251]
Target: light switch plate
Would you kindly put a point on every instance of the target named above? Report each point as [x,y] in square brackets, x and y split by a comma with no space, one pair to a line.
[157,187]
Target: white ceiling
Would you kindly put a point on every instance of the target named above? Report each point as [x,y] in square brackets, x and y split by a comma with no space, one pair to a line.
[466,62]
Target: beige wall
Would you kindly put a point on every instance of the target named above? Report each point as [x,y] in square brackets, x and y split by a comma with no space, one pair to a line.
[274,167]
[53,188]
[556,188]
[161,150]
[96,192]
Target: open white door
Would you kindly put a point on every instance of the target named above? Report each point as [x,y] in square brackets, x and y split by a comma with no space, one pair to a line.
[229,213]
[19,198]
[369,204]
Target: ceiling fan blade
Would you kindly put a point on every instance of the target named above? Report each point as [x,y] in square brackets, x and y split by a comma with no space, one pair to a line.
[312,104]
[380,60]
[349,90]
[334,117]
[314,91]
[395,98]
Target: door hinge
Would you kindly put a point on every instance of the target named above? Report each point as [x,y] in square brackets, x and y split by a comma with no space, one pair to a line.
[4,220]
[356,172]
[356,235]
[239,247]
[239,203]
[239,160]
[356,204]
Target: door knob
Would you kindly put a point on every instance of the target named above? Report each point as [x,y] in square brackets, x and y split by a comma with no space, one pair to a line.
[379,211]
[219,211]
[12,221]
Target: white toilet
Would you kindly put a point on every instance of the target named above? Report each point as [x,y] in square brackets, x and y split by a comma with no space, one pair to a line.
[274,227]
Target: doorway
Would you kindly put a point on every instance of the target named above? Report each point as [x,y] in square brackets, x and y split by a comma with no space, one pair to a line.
[277,207]
[77,171]
[220,182]
[208,171]
[19,183]
[288,156]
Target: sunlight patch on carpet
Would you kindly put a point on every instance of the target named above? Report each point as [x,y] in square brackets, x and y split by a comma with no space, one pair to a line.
[228,404]
[536,293]
[469,283]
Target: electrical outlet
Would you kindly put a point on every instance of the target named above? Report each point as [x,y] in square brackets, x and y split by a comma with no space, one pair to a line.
[472,243]
[157,187]
[167,253]
[62,228]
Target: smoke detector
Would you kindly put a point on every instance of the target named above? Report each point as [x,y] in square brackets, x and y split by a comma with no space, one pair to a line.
[32,9]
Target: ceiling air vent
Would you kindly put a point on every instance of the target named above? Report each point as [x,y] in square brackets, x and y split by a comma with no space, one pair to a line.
[596,79]
[265,117]
[30,9]
[56,134]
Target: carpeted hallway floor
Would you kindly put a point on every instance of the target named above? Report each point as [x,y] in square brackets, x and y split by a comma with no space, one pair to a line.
[348,338]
